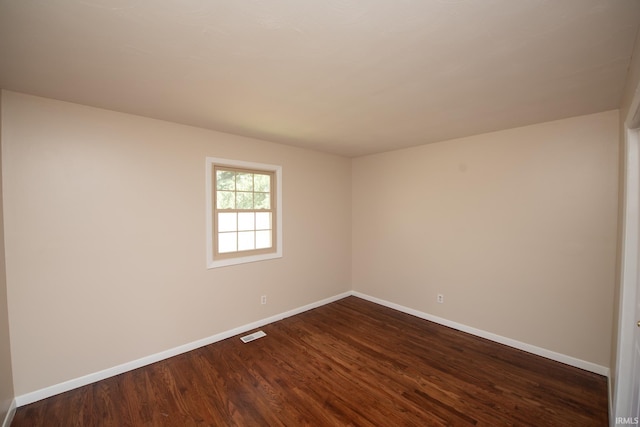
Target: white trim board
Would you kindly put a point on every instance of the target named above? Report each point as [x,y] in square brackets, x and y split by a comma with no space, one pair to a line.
[10,413]
[43,393]
[539,351]
[34,396]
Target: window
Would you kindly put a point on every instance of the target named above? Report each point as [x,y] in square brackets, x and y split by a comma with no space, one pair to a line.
[243,212]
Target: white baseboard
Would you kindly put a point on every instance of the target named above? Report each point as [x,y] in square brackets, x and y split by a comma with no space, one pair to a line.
[558,357]
[43,393]
[10,413]
[34,396]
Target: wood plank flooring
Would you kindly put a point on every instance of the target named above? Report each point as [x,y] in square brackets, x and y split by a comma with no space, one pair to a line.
[350,362]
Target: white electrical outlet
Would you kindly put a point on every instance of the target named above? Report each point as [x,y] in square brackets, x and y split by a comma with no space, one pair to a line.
[263,299]
[440,299]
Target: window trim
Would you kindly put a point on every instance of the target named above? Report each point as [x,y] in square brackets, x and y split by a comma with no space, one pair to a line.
[226,260]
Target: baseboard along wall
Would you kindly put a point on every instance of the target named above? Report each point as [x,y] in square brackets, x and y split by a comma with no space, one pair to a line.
[43,393]
[558,357]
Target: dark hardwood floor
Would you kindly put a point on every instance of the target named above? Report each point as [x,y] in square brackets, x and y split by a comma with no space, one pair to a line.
[351,362]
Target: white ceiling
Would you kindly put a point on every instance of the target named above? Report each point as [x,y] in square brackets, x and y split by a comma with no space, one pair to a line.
[343,76]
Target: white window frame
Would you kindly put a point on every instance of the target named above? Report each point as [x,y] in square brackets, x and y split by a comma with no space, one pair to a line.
[212,262]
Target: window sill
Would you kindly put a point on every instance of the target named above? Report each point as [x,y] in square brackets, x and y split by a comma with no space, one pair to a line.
[242,260]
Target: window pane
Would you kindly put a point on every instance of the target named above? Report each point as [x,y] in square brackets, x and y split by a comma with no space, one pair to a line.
[262,183]
[263,220]
[246,240]
[227,221]
[225,180]
[225,200]
[263,239]
[227,242]
[246,221]
[244,181]
[244,200]
[262,201]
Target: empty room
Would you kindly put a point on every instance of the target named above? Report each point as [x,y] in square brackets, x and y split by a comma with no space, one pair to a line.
[319,213]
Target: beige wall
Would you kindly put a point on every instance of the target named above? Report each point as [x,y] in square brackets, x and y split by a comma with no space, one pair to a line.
[105,245]
[105,237]
[516,228]
[6,376]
